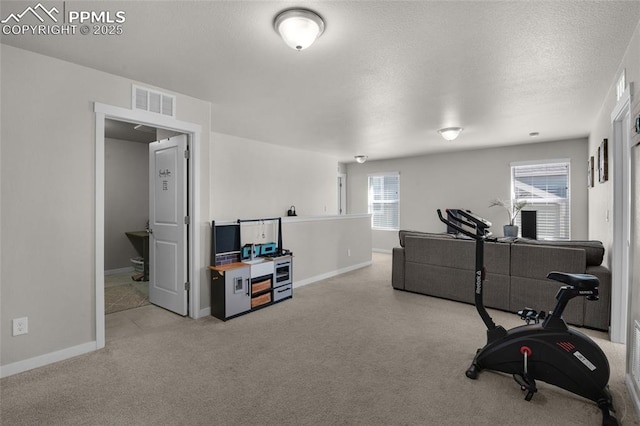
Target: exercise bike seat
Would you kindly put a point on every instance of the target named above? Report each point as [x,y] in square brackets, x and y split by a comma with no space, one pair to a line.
[579,281]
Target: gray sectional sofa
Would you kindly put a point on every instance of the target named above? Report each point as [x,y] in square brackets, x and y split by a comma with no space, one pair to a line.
[442,265]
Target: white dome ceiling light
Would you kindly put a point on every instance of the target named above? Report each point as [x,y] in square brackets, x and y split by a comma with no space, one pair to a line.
[361,158]
[299,28]
[450,133]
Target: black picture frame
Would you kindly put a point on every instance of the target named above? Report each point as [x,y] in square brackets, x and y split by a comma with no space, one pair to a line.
[603,161]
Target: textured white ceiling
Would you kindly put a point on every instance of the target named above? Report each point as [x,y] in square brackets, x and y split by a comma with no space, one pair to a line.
[383,77]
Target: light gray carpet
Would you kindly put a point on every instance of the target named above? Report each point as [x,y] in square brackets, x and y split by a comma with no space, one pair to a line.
[348,350]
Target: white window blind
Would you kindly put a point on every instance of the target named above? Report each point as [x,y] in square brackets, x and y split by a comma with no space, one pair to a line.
[384,201]
[545,188]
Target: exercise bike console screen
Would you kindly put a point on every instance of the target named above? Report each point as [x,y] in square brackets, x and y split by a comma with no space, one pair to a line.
[457,219]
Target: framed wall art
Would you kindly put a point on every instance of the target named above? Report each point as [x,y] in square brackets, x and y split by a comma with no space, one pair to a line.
[590,172]
[603,161]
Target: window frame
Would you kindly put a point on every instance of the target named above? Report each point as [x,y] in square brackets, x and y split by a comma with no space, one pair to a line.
[371,202]
[518,221]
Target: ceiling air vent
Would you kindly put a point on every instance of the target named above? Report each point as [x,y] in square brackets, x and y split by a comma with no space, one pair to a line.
[153,101]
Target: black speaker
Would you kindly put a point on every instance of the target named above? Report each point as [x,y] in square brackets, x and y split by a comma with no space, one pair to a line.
[529,224]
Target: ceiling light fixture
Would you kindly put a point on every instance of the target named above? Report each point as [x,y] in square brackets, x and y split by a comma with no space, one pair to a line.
[450,133]
[299,28]
[361,158]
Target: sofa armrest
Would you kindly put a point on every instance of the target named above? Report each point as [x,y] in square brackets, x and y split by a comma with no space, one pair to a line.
[397,268]
[597,314]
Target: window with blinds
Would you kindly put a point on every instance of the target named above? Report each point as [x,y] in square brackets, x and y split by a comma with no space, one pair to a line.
[545,187]
[384,201]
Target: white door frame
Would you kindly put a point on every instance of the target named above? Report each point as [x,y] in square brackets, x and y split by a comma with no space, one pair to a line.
[620,266]
[103,112]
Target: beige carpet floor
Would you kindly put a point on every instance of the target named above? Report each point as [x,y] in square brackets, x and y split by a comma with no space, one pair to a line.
[349,350]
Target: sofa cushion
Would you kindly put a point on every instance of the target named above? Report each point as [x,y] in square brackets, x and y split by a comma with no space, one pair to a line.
[530,286]
[456,284]
[540,295]
[450,253]
[456,253]
[497,258]
[597,313]
[536,261]
[403,233]
[594,249]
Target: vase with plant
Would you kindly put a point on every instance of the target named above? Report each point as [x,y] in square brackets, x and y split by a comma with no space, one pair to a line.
[512,207]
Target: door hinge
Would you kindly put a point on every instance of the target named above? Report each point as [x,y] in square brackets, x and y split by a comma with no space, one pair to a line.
[187,220]
[187,154]
[187,286]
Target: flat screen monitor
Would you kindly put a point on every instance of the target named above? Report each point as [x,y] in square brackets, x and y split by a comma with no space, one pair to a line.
[226,238]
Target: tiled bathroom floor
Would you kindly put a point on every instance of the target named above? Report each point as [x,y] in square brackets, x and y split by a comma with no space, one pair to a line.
[122,293]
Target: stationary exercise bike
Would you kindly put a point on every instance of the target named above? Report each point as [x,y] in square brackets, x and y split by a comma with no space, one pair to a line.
[547,351]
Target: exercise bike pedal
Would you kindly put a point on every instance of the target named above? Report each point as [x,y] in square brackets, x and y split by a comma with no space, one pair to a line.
[527,384]
[530,315]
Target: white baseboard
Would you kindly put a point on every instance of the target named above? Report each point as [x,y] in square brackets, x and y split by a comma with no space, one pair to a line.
[633,394]
[50,358]
[379,250]
[206,311]
[331,274]
[119,271]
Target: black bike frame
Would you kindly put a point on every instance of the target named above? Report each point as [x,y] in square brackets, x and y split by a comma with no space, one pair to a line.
[481,233]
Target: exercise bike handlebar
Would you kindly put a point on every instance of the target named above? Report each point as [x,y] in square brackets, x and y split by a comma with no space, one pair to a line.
[479,225]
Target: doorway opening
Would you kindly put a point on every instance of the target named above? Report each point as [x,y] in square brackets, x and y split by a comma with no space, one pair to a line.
[126,224]
[165,126]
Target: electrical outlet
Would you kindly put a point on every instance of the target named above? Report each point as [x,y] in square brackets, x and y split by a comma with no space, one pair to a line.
[348,252]
[20,326]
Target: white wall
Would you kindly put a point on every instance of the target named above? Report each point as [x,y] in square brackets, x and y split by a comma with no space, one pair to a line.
[327,245]
[126,199]
[601,196]
[48,196]
[252,179]
[634,296]
[465,179]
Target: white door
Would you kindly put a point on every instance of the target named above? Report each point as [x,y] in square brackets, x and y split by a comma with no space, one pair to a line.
[168,224]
